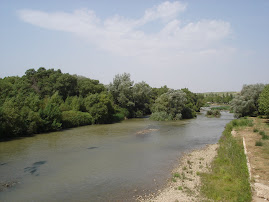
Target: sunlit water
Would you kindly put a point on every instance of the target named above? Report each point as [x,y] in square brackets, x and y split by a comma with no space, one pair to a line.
[102,162]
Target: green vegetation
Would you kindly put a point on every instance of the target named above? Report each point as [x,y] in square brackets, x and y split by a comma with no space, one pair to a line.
[46,100]
[175,105]
[176,175]
[262,133]
[75,118]
[264,101]
[228,180]
[220,98]
[213,113]
[258,143]
[246,103]
[223,107]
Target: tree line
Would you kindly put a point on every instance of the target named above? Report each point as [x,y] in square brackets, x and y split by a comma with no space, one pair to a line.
[46,100]
[220,98]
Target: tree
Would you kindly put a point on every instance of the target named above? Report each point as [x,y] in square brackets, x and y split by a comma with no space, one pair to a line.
[246,103]
[88,86]
[264,101]
[121,90]
[141,97]
[66,85]
[170,105]
[100,107]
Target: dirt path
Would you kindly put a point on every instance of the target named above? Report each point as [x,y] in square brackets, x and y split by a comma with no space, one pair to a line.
[185,182]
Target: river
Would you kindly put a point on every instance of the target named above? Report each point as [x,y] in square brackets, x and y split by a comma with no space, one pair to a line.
[113,162]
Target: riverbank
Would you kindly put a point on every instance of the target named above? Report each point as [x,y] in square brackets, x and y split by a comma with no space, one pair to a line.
[186,178]
[218,172]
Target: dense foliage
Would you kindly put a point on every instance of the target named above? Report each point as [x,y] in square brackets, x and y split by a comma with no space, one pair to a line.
[213,113]
[170,105]
[246,103]
[220,98]
[47,100]
[175,105]
[264,101]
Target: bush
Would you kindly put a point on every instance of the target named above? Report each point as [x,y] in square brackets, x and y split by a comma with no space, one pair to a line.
[75,118]
[213,113]
[258,143]
[265,137]
[262,133]
[255,130]
[264,101]
[161,116]
[242,122]
[118,117]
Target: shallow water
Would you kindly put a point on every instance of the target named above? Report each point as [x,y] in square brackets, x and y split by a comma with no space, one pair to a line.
[102,162]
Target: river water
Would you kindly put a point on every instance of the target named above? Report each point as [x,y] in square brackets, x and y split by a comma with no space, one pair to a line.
[113,162]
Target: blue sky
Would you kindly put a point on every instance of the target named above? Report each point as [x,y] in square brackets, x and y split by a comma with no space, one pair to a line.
[207,45]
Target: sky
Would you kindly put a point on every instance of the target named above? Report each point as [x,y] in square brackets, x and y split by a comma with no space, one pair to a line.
[206,46]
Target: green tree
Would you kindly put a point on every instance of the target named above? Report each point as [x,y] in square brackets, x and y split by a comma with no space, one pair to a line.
[66,85]
[100,107]
[88,86]
[141,98]
[264,101]
[246,102]
[121,91]
[171,103]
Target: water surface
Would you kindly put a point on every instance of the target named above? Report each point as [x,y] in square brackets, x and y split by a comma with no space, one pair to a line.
[101,162]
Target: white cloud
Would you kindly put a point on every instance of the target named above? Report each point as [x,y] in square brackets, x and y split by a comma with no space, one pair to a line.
[124,36]
[177,47]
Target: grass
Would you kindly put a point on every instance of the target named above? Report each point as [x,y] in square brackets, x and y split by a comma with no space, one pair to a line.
[180,188]
[266,148]
[176,175]
[225,107]
[264,136]
[262,133]
[228,180]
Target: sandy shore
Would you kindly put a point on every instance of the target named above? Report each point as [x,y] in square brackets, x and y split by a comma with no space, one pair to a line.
[185,181]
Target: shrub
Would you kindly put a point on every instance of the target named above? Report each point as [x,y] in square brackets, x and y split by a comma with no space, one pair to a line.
[265,137]
[213,113]
[75,118]
[161,116]
[258,143]
[242,122]
[264,101]
[255,130]
[118,117]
